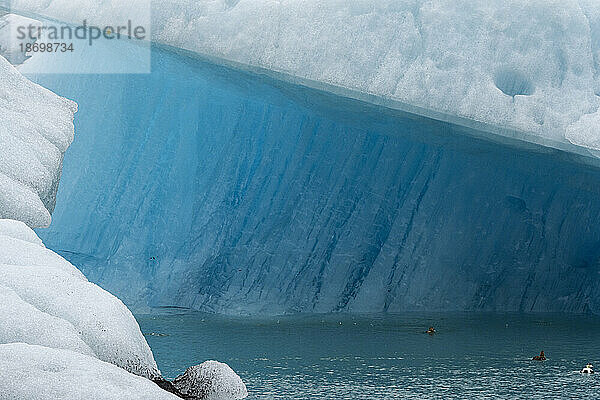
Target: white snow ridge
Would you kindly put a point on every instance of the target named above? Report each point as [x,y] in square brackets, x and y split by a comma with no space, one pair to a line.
[54,305]
[531,66]
[40,373]
[62,337]
[35,130]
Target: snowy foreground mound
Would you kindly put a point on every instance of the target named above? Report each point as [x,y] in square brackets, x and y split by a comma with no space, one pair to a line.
[41,373]
[531,66]
[46,301]
[35,131]
[62,337]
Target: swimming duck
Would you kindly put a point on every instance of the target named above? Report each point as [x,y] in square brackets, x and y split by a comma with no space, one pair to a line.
[431,330]
[588,369]
[541,357]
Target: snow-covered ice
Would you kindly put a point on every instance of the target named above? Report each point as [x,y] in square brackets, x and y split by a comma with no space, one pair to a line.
[18,247]
[530,66]
[18,230]
[99,318]
[35,131]
[211,380]
[52,304]
[22,322]
[41,373]
[59,334]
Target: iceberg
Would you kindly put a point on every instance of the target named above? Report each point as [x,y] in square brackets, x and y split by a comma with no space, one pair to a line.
[211,380]
[263,189]
[227,191]
[528,66]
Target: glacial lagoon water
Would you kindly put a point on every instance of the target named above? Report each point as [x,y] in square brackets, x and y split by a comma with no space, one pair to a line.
[340,356]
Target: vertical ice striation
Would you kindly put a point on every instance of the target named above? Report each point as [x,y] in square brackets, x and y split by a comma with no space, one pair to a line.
[220,190]
[36,129]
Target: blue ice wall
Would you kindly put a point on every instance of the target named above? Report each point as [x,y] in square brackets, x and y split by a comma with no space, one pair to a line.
[200,186]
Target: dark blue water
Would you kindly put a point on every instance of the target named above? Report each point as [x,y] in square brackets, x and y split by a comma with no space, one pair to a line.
[480,356]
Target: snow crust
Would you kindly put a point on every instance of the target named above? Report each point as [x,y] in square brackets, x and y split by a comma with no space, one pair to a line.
[18,230]
[41,373]
[211,380]
[46,301]
[35,130]
[62,337]
[531,66]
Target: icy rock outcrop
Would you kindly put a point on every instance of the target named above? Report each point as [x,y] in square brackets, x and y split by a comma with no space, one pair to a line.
[35,130]
[41,373]
[210,380]
[532,66]
[47,301]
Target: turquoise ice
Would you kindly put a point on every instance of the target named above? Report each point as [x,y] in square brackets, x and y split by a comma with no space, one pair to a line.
[207,187]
